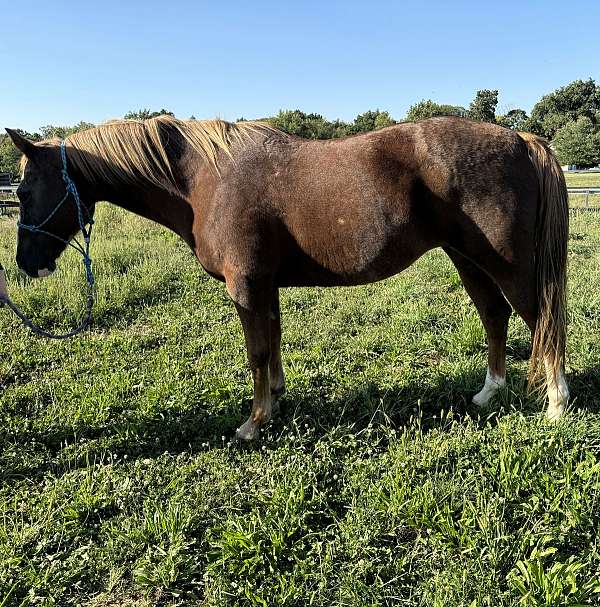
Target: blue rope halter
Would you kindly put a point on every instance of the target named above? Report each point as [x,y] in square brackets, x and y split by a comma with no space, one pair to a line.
[85,225]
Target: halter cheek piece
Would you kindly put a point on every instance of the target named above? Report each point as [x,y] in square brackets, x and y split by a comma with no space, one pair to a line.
[85,225]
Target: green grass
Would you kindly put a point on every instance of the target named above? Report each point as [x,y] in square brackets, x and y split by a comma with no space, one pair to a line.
[378,484]
[582,180]
[578,201]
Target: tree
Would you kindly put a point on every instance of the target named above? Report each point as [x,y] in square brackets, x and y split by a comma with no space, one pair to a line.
[314,126]
[578,142]
[309,126]
[483,107]
[10,156]
[429,109]
[514,119]
[564,105]
[146,114]
[371,120]
[61,132]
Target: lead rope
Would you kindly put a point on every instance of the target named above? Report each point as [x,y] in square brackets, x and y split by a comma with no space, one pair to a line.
[84,250]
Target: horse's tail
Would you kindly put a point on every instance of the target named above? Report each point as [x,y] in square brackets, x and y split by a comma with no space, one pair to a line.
[551,236]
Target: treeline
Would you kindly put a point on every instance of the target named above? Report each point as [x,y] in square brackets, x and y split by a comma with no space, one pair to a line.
[568,117]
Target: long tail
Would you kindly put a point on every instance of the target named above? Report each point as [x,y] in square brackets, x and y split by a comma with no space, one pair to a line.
[551,234]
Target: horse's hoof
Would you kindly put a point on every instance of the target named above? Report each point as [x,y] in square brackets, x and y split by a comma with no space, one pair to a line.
[479,401]
[492,385]
[249,431]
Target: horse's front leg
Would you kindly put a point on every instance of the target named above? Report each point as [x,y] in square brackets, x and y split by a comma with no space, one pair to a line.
[254,309]
[276,375]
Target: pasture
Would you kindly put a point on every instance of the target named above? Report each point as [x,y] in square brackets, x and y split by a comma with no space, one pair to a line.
[377,484]
[582,180]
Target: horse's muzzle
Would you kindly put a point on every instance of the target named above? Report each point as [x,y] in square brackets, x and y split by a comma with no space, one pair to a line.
[44,272]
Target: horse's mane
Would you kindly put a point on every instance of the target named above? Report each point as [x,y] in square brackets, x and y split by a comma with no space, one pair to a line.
[133,151]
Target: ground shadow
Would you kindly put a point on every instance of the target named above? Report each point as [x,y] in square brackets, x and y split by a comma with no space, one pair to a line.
[196,428]
[584,386]
[519,348]
[320,404]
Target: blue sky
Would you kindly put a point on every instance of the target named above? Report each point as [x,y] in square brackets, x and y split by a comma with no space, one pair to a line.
[66,61]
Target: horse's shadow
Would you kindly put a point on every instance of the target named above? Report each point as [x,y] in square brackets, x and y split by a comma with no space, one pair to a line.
[195,429]
[584,386]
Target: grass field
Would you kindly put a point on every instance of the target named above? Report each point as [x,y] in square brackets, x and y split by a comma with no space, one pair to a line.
[582,180]
[578,201]
[378,483]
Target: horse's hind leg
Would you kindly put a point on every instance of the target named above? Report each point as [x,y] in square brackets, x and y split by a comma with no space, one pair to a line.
[520,290]
[494,312]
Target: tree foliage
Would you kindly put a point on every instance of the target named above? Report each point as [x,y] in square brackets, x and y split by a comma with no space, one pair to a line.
[315,126]
[578,142]
[10,156]
[146,114]
[427,108]
[483,107]
[51,131]
[370,121]
[570,115]
[514,119]
[308,126]
[566,104]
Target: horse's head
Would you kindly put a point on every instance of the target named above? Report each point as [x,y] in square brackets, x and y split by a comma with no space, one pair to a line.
[40,194]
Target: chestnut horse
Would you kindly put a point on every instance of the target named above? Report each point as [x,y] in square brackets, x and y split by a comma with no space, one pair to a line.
[262,210]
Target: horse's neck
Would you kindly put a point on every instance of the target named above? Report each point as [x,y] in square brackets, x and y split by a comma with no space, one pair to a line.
[158,205]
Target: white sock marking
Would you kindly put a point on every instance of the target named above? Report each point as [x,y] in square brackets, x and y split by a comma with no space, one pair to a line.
[493,383]
[558,395]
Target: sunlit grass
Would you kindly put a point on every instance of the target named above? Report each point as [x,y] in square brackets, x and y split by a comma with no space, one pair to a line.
[581,180]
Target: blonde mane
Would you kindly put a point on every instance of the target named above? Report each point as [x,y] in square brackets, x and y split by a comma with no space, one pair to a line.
[132,151]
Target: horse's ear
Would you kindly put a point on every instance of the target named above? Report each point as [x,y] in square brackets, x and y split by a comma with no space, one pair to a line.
[27,147]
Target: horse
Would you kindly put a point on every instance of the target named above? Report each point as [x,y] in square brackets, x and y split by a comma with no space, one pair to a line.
[263,210]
